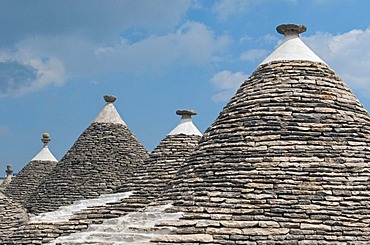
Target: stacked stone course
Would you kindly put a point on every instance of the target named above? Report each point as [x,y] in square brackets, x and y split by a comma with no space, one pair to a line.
[149,180]
[13,215]
[147,184]
[28,179]
[164,161]
[286,162]
[100,160]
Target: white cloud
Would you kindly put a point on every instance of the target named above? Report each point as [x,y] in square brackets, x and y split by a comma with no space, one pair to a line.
[51,60]
[228,83]
[197,4]
[92,19]
[226,8]
[245,38]
[348,54]
[254,55]
[83,40]
[192,43]
[269,38]
[23,72]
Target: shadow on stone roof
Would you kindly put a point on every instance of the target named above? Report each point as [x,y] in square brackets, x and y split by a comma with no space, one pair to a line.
[104,155]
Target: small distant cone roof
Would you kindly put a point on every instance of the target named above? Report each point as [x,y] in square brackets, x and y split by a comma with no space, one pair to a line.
[167,158]
[104,155]
[29,178]
[186,125]
[286,162]
[145,186]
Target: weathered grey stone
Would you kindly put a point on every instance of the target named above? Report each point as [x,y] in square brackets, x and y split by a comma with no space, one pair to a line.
[100,160]
[28,179]
[147,181]
[184,238]
[12,216]
[286,162]
[291,163]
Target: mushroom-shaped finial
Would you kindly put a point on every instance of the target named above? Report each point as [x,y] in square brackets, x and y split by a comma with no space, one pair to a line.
[291,29]
[45,138]
[110,98]
[9,170]
[186,114]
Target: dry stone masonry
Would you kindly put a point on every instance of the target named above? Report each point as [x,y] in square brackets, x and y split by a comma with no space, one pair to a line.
[286,162]
[46,227]
[146,184]
[166,159]
[29,178]
[104,155]
[12,216]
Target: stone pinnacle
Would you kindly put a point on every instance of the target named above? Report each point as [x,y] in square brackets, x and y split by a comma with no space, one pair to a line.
[291,29]
[110,98]
[185,114]
[45,138]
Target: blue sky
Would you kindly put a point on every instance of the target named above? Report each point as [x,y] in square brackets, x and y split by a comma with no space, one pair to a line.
[58,59]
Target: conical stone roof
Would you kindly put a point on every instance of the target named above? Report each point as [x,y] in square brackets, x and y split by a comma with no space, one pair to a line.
[104,155]
[286,162]
[29,178]
[166,159]
[144,186]
[12,215]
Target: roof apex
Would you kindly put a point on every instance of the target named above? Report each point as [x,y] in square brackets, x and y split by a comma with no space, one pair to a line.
[186,125]
[109,114]
[291,29]
[292,47]
[45,154]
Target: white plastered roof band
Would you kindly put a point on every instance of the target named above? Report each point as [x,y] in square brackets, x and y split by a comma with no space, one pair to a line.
[64,213]
[109,113]
[292,48]
[44,155]
[187,127]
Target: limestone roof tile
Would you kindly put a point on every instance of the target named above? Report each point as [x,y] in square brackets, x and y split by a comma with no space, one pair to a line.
[140,188]
[31,175]
[12,215]
[103,156]
[286,162]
